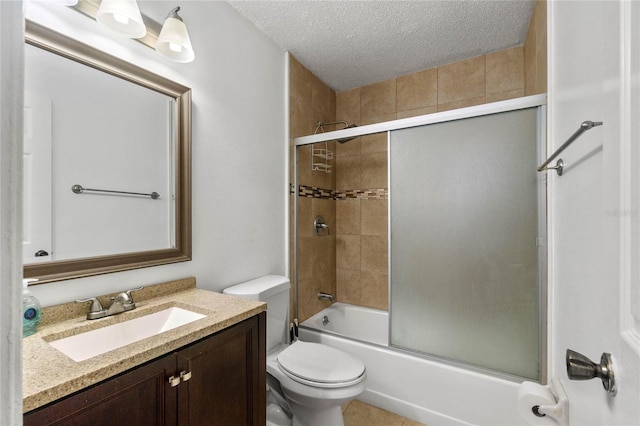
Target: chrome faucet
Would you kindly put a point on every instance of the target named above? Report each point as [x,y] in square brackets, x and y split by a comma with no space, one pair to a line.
[121,303]
[325,296]
[320,225]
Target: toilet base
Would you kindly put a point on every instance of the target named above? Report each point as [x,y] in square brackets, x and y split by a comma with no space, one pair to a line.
[303,416]
[276,415]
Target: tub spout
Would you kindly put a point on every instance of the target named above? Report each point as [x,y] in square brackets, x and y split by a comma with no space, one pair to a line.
[325,296]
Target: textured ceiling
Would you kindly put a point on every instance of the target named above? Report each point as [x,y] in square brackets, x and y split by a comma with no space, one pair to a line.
[350,44]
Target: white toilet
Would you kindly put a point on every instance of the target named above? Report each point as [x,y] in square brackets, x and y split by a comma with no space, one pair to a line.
[312,380]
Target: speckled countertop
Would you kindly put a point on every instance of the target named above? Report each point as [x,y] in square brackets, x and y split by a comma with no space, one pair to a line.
[49,374]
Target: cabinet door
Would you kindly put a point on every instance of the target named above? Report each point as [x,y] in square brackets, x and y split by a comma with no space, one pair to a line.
[227,382]
[139,397]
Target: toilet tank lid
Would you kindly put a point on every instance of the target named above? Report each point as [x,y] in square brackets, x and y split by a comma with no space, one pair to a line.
[259,288]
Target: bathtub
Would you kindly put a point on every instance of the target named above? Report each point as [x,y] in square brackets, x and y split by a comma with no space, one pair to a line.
[425,390]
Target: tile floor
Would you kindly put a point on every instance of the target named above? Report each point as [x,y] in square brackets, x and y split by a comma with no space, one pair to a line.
[357,413]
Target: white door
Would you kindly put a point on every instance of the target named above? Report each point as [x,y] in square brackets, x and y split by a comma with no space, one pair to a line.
[37,179]
[594,52]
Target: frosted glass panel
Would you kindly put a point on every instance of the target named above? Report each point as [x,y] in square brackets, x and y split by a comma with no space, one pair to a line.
[464,258]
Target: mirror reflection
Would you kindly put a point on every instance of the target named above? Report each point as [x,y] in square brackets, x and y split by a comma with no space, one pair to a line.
[106,162]
[80,132]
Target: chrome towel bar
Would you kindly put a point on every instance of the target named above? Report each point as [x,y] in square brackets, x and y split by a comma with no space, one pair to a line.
[559,167]
[78,189]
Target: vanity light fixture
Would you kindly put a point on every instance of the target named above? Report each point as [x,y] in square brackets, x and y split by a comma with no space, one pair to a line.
[122,17]
[173,41]
[170,40]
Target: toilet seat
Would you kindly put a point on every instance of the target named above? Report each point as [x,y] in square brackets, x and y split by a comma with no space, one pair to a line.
[320,366]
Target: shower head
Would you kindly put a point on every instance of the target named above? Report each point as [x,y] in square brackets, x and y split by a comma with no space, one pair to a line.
[319,125]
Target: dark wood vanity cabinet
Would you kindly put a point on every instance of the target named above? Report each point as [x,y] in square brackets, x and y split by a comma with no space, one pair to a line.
[222,383]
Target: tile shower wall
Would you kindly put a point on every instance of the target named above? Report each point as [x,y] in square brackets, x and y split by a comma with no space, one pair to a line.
[358,211]
[311,100]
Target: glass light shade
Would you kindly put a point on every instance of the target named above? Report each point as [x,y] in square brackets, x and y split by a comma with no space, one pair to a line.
[173,41]
[122,17]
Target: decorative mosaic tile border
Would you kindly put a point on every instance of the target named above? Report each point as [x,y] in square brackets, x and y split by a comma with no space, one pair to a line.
[363,194]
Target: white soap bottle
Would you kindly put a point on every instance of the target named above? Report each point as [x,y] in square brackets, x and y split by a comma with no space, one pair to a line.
[31,311]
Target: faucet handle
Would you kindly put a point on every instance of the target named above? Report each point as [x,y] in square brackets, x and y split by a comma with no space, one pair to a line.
[95,310]
[96,306]
[133,289]
[126,299]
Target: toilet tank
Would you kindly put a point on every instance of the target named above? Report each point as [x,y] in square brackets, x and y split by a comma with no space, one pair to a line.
[274,290]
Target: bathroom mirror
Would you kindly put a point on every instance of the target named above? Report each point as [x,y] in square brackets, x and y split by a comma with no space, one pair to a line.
[109,189]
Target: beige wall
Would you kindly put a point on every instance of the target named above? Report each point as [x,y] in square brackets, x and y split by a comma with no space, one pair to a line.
[360,240]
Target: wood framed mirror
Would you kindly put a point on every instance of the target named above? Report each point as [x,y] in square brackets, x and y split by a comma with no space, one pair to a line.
[174,170]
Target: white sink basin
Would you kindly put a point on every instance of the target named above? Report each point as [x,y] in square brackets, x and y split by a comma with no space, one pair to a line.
[95,342]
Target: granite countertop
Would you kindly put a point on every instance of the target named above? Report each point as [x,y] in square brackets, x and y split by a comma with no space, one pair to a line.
[49,374]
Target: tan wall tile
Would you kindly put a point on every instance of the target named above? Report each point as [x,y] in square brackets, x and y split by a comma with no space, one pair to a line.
[378,99]
[299,79]
[374,290]
[349,148]
[462,103]
[304,165]
[348,216]
[374,255]
[417,90]
[376,142]
[323,260]
[308,302]
[321,100]
[461,80]
[374,217]
[305,213]
[325,208]
[374,171]
[348,251]
[305,258]
[348,286]
[541,58]
[505,70]
[301,122]
[535,51]
[348,106]
[416,112]
[505,95]
[530,70]
[348,173]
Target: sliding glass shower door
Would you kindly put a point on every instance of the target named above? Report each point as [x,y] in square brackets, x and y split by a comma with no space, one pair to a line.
[467,225]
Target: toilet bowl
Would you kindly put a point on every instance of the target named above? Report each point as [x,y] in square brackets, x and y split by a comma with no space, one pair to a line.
[316,380]
[312,380]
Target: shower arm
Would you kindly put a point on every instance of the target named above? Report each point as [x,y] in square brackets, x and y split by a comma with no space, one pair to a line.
[319,125]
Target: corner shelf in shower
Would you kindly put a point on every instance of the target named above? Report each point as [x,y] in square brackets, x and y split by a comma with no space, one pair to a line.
[321,158]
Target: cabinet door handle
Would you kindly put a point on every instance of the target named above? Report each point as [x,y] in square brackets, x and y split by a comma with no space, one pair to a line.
[174,381]
[184,376]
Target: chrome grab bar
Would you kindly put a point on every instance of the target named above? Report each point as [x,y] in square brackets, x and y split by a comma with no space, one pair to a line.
[559,167]
[78,189]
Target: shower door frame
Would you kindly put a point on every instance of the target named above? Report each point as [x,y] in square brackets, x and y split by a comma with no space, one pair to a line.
[527,102]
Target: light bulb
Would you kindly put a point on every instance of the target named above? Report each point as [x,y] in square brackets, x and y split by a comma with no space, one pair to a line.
[173,41]
[121,18]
